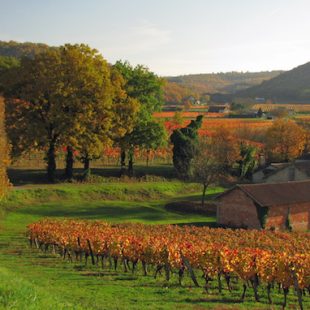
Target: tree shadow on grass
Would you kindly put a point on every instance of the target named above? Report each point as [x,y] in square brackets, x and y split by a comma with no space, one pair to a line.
[110,212]
[24,176]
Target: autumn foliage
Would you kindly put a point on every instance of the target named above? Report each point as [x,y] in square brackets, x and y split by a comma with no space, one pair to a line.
[285,140]
[4,151]
[259,257]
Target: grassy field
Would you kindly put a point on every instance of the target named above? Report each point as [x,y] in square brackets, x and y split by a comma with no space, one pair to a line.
[30,279]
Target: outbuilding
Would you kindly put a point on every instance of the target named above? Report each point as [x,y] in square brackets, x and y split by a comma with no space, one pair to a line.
[225,108]
[283,172]
[272,206]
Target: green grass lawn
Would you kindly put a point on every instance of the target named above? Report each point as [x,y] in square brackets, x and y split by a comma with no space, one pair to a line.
[30,279]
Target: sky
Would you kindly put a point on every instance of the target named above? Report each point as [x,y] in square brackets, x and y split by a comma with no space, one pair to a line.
[170,37]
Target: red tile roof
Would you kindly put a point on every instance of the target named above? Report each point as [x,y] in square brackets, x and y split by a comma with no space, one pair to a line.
[267,195]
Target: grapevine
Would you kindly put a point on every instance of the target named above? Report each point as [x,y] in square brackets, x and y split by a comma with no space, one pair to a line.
[254,257]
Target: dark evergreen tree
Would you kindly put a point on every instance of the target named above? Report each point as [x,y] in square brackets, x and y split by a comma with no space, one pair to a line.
[185,141]
[260,113]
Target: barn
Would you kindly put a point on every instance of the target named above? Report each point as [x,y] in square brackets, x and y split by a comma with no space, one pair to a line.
[271,206]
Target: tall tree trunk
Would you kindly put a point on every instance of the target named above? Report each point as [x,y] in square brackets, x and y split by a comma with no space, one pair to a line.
[123,162]
[69,163]
[147,157]
[51,162]
[205,186]
[86,162]
[130,162]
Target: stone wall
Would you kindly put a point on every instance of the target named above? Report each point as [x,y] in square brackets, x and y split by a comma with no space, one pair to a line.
[299,216]
[236,209]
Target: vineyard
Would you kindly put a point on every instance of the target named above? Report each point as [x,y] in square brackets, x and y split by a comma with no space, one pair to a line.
[292,107]
[209,125]
[188,114]
[257,259]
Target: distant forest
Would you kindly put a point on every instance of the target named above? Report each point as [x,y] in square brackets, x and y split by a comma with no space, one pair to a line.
[18,50]
[201,86]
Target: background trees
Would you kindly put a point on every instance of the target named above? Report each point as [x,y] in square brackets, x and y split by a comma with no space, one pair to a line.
[91,101]
[70,97]
[146,88]
[4,152]
[58,97]
[285,140]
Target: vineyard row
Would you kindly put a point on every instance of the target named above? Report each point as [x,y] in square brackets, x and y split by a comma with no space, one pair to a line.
[255,257]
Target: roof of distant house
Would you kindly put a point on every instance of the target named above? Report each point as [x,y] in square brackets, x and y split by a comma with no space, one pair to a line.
[218,108]
[273,168]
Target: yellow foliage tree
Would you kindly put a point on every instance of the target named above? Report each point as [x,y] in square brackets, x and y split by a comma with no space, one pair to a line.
[285,140]
[4,153]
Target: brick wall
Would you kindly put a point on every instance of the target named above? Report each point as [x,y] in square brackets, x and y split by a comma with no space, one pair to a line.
[299,216]
[236,209]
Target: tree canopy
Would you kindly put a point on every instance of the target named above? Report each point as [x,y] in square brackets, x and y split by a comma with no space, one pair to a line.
[145,88]
[285,140]
[60,97]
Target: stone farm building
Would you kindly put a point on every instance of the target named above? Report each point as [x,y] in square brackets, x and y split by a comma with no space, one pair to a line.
[270,206]
[283,172]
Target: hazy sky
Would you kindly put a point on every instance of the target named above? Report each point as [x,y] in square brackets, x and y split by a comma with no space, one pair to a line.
[171,37]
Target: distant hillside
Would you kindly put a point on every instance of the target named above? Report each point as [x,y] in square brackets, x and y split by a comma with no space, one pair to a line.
[229,82]
[198,85]
[290,86]
[18,50]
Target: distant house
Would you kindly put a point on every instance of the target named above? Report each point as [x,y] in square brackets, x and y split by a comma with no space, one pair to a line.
[260,100]
[244,115]
[224,108]
[283,172]
[266,206]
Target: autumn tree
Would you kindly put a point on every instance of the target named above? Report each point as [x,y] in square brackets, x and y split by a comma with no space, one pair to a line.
[184,142]
[91,100]
[56,98]
[306,126]
[4,152]
[145,87]
[213,158]
[285,140]
[280,112]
